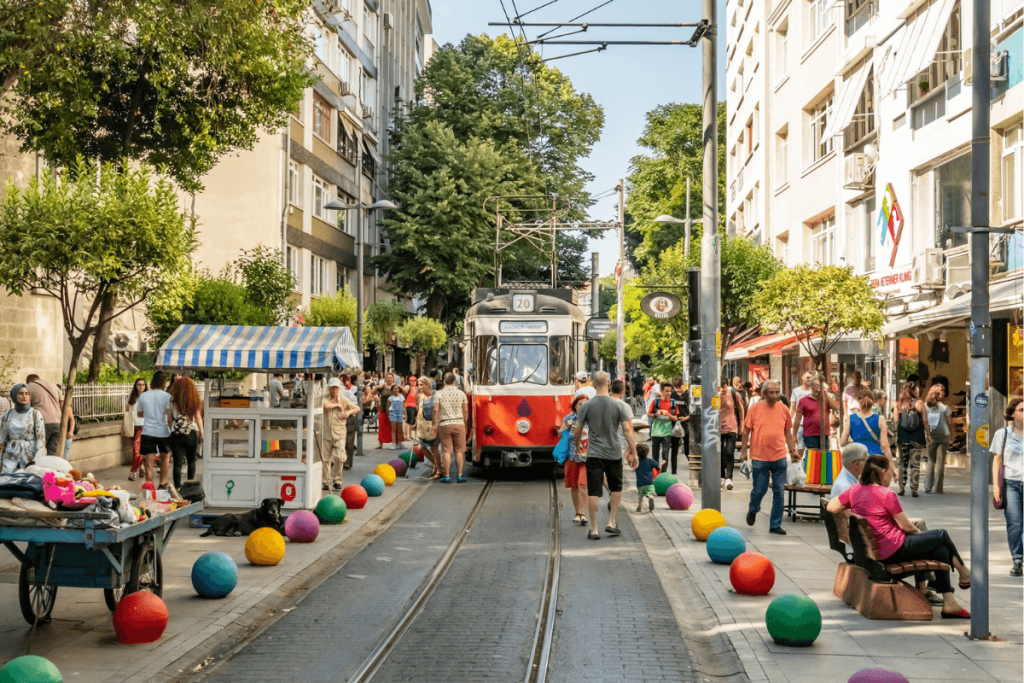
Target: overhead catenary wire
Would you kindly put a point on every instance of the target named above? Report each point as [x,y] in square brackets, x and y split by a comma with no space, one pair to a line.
[576,18]
[519,17]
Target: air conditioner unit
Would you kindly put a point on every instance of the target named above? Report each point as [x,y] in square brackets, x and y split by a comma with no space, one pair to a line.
[389,21]
[997,64]
[367,112]
[927,269]
[958,268]
[858,172]
[127,340]
[344,88]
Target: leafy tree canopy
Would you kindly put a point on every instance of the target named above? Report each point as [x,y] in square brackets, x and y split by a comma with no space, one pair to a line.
[176,83]
[657,182]
[380,321]
[336,311]
[424,335]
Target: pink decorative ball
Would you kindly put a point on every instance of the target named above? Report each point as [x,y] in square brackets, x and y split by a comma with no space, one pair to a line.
[400,467]
[302,526]
[877,676]
[679,497]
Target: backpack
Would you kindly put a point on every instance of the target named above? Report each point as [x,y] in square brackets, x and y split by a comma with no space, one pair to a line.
[910,420]
[671,408]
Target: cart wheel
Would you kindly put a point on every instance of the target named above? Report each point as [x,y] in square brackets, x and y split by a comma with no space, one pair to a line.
[112,596]
[147,571]
[36,601]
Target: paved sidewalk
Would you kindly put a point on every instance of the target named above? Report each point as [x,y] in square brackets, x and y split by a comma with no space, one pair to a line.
[80,639]
[922,651]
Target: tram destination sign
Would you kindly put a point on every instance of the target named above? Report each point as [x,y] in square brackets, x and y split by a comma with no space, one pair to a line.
[661,305]
[597,328]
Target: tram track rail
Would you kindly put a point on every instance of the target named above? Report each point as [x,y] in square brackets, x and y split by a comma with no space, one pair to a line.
[537,670]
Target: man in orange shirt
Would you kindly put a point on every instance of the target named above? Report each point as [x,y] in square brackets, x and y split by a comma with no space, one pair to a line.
[768,430]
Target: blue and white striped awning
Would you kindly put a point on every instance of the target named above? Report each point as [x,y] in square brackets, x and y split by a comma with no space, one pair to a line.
[259,349]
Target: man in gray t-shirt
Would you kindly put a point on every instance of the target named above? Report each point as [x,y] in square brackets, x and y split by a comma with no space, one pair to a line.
[276,390]
[603,416]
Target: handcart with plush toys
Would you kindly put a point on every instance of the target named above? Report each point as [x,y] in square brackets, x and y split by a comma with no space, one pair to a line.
[79,549]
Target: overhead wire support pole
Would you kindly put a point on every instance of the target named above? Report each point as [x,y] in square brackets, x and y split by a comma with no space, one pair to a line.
[591,24]
[574,54]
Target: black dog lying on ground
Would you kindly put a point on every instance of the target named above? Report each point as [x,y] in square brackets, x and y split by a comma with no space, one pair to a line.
[267,514]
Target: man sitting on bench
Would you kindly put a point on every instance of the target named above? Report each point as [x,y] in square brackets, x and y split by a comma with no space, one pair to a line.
[898,540]
[854,457]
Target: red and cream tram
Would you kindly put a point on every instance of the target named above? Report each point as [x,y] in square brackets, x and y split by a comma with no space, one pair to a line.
[525,347]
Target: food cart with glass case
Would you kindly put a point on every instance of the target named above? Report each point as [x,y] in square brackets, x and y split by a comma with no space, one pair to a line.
[252,451]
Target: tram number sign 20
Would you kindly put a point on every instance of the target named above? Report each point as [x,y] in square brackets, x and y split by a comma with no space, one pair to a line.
[522,303]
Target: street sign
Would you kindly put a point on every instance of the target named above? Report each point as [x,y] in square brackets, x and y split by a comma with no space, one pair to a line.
[597,328]
[661,305]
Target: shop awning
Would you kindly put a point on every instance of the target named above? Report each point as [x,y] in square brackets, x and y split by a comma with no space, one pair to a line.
[259,349]
[918,42]
[1005,295]
[759,346]
[850,91]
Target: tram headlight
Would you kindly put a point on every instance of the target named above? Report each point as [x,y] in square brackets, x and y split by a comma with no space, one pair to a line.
[523,426]
[488,430]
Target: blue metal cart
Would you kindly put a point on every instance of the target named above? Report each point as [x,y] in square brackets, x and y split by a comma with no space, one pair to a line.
[120,561]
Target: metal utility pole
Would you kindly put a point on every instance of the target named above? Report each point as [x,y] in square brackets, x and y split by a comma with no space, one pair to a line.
[620,313]
[595,300]
[711,273]
[981,320]
[693,308]
[689,221]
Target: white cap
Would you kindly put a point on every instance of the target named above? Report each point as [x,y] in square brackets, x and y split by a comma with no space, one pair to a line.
[334,382]
[582,375]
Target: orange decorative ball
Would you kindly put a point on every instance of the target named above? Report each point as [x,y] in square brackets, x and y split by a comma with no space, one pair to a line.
[140,617]
[752,574]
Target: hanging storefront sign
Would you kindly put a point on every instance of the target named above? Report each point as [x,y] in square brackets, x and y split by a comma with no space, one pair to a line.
[890,220]
[661,305]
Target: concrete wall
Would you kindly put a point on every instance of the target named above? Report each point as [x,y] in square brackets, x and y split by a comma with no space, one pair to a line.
[100,446]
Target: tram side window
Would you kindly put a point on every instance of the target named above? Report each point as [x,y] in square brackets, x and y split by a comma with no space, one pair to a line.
[485,364]
[523,364]
[562,360]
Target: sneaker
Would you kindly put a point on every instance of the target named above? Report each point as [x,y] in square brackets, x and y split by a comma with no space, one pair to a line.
[336,487]
[132,476]
[728,484]
[751,518]
[650,503]
[326,488]
[777,530]
[1016,570]
[721,485]
[461,479]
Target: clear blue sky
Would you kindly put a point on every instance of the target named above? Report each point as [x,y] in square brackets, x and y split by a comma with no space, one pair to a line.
[628,81]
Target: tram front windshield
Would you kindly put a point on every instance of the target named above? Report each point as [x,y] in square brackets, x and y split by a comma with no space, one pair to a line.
[523,364]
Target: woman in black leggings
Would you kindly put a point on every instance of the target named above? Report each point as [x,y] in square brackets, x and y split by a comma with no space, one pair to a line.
[187,427]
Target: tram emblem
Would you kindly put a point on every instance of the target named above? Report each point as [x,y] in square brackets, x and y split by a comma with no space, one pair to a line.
[524,409]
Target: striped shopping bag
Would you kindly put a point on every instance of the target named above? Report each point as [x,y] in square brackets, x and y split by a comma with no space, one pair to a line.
[822,467]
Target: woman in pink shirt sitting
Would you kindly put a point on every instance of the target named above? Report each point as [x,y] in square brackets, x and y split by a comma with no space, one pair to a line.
[898,540]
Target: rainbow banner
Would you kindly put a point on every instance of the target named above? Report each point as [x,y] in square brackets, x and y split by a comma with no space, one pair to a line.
[269,446]
[822,467]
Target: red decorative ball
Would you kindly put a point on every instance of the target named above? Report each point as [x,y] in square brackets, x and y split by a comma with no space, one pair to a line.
[140,617]
[752,574]
[354,497]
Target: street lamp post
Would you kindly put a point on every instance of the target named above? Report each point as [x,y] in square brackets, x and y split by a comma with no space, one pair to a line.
[688,223]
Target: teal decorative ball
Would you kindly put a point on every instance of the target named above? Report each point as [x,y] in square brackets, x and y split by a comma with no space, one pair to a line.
[373,484]
[793,620]
[331,510]
[214,575]
[30,669]
[663,481]
[725,544]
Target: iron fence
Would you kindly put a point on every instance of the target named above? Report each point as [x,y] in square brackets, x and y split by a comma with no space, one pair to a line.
[95,402]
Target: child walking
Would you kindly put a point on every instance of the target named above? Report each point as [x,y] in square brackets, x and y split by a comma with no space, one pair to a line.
[644,477]
[396,415]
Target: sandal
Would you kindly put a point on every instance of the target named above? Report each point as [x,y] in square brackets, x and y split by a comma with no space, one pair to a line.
[435,475]
[959,614]
[583,520]
[576,519]
[612,531]
[964,586]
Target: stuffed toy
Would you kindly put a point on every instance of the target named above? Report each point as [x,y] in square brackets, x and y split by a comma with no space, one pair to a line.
[65,492]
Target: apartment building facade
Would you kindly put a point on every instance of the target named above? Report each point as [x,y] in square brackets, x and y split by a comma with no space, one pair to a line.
[864,148]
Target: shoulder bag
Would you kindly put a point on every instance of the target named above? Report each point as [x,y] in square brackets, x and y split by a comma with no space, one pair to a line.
[1000,479]
[871,432]
[128,422]
[425,429]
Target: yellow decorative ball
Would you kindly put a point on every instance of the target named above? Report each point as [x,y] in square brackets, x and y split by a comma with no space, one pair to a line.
[706,521]
[387,473]
[264,547]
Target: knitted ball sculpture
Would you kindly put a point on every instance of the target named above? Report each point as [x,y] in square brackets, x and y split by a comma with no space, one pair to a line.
[663,481]
[752,574]
[30,669]
[793,620]
[704,522]
[264,547]
[399,466]
[725,544]
[413,457]
[354,496]
[214,575]
[373,485]
[302,526]
[386,473]
[140,617]
[330,510]
[679,496]
[877,676]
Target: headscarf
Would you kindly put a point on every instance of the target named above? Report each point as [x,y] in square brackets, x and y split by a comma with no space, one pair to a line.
[20,408]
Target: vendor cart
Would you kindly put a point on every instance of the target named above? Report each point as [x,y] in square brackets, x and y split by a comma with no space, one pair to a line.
[120,561]
[251,449]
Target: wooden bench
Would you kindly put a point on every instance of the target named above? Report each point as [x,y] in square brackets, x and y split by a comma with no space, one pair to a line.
[863,581]
[820,490]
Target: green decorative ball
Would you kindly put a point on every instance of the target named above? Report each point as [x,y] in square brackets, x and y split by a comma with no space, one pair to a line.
[409,458]
[793,620]
[663,481]
[331,510]
[30,669]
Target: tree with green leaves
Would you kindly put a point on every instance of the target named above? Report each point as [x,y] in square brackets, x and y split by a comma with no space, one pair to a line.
[424,335]
[87,231]
[657,181]
[336,311]
[381,321]
[493,122]
[819,305]
[268,284]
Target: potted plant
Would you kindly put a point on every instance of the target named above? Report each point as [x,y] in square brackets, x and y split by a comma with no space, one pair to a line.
[923,85]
